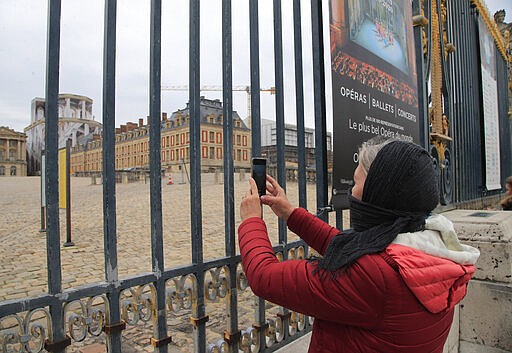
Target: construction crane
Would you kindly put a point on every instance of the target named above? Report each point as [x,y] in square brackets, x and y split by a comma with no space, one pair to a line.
[246,89]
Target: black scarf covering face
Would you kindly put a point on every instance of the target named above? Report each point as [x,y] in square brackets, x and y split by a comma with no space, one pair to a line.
[400,191]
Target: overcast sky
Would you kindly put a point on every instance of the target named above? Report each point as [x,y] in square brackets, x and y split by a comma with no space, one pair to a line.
[22,55]
[23,47]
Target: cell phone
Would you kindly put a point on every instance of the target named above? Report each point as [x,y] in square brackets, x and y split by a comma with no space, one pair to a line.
[259,174]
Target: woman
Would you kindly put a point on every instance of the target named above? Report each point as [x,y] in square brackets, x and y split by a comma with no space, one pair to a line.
[388,285]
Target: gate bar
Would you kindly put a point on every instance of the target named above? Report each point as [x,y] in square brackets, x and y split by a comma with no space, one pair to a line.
[280,136]
[229,207]
[254,46]
[113,337]
[299,103]
[319,102]
[198,310]
[159,339]
[58,339]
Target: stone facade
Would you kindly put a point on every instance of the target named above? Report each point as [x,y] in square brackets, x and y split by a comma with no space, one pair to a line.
[269,144]
[12,152]
[485,317]
[132,143]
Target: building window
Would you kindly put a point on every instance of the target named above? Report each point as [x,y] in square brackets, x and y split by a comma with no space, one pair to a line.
[177,139]
[238,140]
[290,137]
[219,138]
[244,140]
[2,170]
[219,153]
[204,136]
[245,155]
[212,152]
[212,137]
[13,170]
[205,152]
[238,155]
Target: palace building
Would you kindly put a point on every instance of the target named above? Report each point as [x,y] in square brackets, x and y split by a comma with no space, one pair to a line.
[13,160]
[269,144]
[75,121]
[132,143]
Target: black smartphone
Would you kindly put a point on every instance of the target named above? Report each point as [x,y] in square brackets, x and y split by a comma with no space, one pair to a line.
[259,174]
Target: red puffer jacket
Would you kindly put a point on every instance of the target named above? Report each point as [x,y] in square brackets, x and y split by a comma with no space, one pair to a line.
[400,300]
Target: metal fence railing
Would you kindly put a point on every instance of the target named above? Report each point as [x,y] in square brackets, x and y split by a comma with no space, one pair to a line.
[61,318]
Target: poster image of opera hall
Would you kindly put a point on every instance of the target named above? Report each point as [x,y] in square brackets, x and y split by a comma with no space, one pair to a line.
[372,42]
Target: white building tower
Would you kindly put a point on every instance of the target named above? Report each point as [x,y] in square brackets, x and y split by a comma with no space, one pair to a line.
[75,121]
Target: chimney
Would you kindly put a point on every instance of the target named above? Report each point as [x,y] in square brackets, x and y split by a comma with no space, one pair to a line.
[131,126]
[164,116]
[141,122]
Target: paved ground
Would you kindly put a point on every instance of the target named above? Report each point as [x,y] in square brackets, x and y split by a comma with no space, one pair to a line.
[23,256]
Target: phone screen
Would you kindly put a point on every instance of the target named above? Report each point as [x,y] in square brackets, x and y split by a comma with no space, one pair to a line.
[259,174]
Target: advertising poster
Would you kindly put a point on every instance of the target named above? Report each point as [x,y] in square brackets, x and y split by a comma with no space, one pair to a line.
[373,81]
[62,178]
[490,102]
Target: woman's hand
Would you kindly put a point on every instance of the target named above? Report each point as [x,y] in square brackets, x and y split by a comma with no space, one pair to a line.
[277,199]
[251,204]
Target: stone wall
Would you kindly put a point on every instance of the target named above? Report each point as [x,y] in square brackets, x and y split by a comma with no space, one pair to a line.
[485,315]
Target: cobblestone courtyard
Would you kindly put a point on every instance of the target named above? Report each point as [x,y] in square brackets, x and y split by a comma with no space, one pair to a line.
[23,257]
